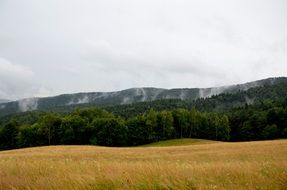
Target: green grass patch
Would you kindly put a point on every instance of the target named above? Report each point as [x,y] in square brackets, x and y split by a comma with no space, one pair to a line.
[180,142]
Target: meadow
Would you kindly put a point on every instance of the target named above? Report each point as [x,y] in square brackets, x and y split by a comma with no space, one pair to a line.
[207,165]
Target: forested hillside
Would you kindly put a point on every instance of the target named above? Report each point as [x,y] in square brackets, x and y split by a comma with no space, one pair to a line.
[67,102]
[217,103]
[253,114]
[99,127]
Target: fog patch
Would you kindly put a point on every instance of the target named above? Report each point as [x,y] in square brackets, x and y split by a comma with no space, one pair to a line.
[249,101]
[113,93]
[2,106]
[154,97]
[137,92]
[144,98]
[182,95]
[247,86]
[126,100]
[208,92]
[82,100]
[272,81]
[28,104]
[104,95]
[168,97]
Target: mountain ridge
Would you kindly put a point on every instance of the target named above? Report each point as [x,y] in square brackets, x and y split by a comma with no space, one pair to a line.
[128,96]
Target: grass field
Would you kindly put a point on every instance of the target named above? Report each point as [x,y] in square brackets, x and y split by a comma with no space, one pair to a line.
[179,142]
[248,165]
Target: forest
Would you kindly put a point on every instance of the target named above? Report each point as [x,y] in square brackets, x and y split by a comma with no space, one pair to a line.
[96,126]
[256,114]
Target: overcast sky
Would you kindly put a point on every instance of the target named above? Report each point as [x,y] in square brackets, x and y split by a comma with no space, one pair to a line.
[49,47]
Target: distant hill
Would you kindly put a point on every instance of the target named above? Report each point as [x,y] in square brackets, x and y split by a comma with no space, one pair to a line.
[129,96]
[267,94]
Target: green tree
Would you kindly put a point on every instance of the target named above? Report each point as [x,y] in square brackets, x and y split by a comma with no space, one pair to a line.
[164,127]
[270,132]
[151,125]
[194,123]
[8,136]
[109,132]
[50,126]
[138,133]
[181,122]
[73,130]
[223,130]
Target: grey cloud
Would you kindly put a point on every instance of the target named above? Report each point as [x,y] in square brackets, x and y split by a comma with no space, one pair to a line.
[104,56]
[17,82]
[70,46]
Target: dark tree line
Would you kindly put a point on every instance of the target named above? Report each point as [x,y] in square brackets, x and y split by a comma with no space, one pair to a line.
[99,127]
[267,120]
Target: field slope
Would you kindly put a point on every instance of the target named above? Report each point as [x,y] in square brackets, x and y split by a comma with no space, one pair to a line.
[179,142]
[247,165]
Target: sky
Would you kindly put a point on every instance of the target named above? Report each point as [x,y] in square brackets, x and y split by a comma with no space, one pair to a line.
[51,47]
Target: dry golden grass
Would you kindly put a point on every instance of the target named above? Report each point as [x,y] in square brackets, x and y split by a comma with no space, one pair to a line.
[249,165]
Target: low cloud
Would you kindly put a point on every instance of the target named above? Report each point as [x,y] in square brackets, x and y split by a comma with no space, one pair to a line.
[28,104]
